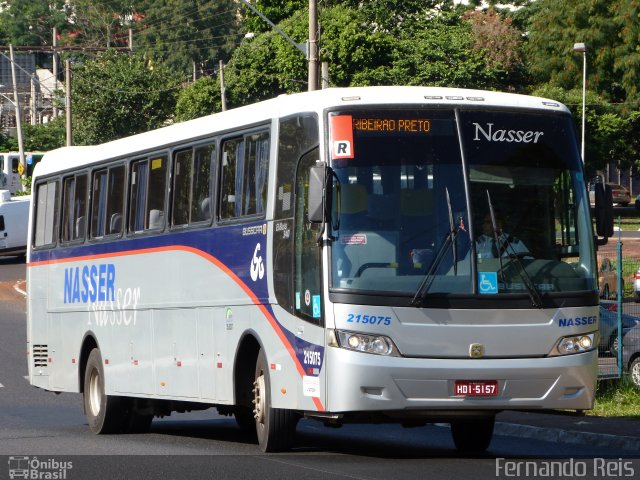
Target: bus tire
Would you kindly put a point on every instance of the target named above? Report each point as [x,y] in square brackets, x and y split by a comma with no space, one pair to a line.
[245,419]
[105,413]
[473,436]
[275,427]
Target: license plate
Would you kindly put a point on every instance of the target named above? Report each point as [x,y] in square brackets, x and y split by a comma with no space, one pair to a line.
[473,388]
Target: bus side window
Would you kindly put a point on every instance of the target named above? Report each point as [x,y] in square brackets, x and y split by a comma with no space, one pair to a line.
[182,169]
[108,202]
[148,187]
[243,185]
[74,208]
[201,183]
[45,214]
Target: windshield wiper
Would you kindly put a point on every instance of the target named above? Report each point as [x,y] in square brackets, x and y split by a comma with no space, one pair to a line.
[450,238]
[504,244]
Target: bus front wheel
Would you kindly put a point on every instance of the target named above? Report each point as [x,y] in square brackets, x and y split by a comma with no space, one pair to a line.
[104,413]
[275,427]
[473,436]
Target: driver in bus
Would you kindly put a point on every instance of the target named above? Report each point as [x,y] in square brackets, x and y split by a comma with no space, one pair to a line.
[486,246]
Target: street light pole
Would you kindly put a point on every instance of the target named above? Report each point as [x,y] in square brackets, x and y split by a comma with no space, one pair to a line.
[582,48]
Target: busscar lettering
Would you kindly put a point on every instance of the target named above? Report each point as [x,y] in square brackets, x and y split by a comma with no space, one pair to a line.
[504,135]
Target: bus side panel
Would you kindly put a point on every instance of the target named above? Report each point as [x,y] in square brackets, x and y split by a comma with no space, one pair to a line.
[38,327]
[65,336]
[175,352]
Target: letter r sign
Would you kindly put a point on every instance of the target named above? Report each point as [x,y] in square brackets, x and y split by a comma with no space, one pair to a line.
[342,149]
[341,136]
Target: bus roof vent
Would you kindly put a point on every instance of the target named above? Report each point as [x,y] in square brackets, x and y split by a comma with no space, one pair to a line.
[476,99]
[454,97]
[351,99]
[433,97]
[551,104]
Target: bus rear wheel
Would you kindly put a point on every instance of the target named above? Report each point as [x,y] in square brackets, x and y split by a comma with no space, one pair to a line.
[275,427]
[104,413]
[473,436]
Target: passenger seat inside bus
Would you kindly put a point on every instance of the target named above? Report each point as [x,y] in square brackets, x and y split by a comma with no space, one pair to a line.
[156,219]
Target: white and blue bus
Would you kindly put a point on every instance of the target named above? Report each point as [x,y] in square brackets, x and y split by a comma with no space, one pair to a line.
[317,255]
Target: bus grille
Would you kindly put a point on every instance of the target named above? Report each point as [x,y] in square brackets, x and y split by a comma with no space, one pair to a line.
[40,356]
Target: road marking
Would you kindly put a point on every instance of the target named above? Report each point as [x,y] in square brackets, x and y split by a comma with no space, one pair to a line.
[17,286]
[26,377]
[1,385]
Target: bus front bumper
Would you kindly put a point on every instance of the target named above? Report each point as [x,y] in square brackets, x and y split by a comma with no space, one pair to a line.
[365,382]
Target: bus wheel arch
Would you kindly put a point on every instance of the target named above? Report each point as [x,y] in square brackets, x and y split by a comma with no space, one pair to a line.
[243,377]
[88,344]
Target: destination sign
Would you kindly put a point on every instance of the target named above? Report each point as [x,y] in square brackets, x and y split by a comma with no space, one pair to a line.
[404,125]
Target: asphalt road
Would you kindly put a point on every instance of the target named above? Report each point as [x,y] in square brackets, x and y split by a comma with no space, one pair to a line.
[49,434]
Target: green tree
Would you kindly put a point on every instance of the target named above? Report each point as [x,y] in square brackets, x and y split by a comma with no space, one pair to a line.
[198,99]
[180,33]
[47,136]
[99,23]
[556,26]
[30,22]
[118,94]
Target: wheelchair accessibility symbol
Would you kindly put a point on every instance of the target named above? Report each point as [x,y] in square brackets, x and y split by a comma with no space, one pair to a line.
[488,282]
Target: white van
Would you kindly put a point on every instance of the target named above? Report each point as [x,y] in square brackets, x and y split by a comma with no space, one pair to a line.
[10,178]
[14,218]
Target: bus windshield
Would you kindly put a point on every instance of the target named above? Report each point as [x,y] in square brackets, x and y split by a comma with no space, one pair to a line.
[469,202]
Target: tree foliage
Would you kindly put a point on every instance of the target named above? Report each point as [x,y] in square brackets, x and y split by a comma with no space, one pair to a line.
[119,94]
[198,99]
[183,32]
[30,22]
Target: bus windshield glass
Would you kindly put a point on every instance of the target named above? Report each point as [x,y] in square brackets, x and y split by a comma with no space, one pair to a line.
[411,218]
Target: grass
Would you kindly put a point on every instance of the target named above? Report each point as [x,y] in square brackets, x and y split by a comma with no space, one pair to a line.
[617,398]
[629,219]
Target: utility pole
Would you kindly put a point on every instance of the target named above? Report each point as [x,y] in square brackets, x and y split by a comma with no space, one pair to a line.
[313,45]
[325,75]
[18,112]
[34,103]
[223,89]
[67,69]
[55,70]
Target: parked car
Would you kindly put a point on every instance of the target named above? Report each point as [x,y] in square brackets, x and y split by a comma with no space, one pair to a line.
[638,202]
[609,326]
[608,280]
[631,353]
[636,286]
[620,194]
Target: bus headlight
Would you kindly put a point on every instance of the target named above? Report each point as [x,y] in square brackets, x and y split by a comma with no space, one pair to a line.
[367,343]
[576,344]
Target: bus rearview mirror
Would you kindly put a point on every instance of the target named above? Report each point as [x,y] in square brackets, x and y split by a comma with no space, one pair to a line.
[603,210]
[315,201]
